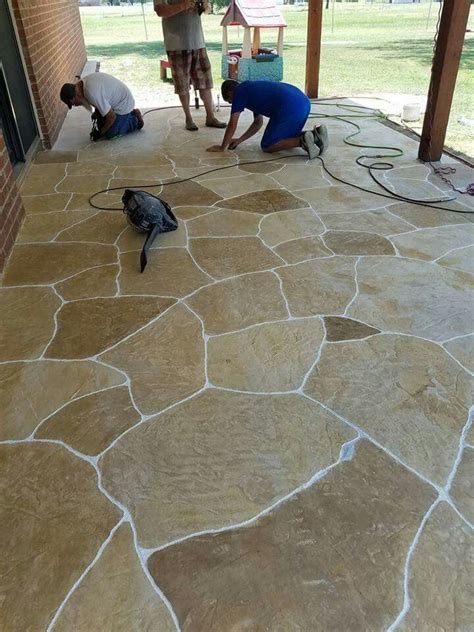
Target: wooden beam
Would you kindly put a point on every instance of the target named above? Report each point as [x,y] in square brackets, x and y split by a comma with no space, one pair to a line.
[448,51]
[313,47]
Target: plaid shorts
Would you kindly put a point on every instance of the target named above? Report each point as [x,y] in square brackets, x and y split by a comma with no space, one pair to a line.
[190,67]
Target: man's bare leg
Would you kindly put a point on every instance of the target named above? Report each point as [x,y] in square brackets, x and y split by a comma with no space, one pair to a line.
[286,143]
[305,141]
[211,120]
[190,124]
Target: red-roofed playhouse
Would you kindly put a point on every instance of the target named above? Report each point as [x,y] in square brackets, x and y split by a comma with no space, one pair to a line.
[252,61]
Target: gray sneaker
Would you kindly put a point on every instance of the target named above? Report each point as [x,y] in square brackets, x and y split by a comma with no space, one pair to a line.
[321,138]
[309,145]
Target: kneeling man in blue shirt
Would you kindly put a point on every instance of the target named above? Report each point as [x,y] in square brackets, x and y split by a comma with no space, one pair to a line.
[286,107]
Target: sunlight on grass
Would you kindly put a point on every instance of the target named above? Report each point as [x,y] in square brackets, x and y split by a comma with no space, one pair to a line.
[367,49]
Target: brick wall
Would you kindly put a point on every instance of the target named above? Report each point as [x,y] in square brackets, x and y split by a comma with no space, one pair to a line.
[11,209]
[53,45]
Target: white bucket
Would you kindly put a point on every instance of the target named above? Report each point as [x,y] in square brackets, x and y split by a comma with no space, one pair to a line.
[411,112]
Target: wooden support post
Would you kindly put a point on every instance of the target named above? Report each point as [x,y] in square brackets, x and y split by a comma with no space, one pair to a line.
[246,46]
[280,42]
[443,78]
[256,40]
[225,45]
[313,47]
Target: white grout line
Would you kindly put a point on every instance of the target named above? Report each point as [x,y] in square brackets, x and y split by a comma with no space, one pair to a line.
[62,302]
[406,594]
[367,436]
[31,436]
[356,292]
[346,453]
[77,583]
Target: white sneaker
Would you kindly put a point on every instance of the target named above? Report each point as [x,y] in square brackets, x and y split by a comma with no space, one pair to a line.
[309,145]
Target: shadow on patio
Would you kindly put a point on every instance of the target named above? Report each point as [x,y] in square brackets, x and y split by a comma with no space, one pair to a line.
[265,429]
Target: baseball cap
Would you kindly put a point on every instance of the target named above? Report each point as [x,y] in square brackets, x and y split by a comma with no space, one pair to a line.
[67,94]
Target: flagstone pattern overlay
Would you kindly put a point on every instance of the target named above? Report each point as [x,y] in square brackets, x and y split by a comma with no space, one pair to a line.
[267,430]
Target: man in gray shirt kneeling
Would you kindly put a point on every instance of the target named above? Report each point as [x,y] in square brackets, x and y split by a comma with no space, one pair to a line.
[112,100]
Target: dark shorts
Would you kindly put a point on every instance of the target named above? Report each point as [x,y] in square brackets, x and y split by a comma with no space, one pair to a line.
[287,125]
[190,67]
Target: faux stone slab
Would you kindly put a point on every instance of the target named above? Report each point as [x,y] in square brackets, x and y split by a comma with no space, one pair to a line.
[431,243]
[231,186]
[294,177]
[319,286]
[91,423]
[462,259]
[52,156]
[338,328]
[137,157]
[53,519]
[298,250]
[132,240]
[83,184]
[103,228]
[332,554]
[29,392]
[223,257]
[80,201]
[165,361]
[43,184]
[440,585]
[405,392]
[269,357]
[46,263]
[462,489]
[425,217]
[337,199]
[27,321]
[189,193]
[116,595]
[268,167]
[140,174]
[463,350]
[90,283]
[218,459]
[91,168]
[237,303]
[45,203]
[380,222]
[182,275]
[191,212]
[357,243]
[264,202]
[413,297]
[86,328]
[287,225]
[224,223]
[45,226]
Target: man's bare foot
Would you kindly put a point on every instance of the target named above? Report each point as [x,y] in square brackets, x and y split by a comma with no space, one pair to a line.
[213,122]
[191,126]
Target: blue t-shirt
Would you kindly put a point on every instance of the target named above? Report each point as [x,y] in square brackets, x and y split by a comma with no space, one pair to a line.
[273,99]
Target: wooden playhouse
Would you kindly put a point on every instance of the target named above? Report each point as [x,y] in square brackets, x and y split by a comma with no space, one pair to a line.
[252,61]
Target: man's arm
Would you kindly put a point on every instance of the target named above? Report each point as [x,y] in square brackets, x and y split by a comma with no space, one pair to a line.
[229,133]
[252,130]
[167,10]
[109,120]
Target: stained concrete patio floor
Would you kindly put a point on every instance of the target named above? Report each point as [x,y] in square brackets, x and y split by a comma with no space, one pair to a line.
[268,429]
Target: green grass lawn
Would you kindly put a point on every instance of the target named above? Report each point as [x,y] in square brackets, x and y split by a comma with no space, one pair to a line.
[366,49]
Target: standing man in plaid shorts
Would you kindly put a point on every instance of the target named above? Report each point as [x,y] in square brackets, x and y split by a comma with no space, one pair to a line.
[185,47]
